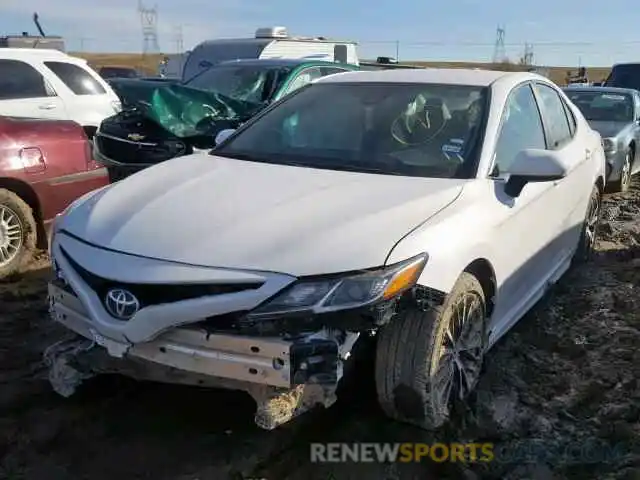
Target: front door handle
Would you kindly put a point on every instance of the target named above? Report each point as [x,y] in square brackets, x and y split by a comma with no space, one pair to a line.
[47,106]
[587,153]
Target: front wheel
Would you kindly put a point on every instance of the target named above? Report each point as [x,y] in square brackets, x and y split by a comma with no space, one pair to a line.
[623,184]
[428,360]
[17,233]
[588,235]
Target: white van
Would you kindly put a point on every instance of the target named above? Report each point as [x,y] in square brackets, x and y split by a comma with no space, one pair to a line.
[50,84]
[270,42]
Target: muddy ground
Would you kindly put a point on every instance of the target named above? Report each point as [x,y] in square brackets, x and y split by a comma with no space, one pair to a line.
[560,398]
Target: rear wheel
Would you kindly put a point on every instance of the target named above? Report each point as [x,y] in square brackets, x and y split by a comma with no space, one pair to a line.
[17,233]
[427,361]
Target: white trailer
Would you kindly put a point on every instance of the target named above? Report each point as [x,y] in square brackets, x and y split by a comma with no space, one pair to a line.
[271,42]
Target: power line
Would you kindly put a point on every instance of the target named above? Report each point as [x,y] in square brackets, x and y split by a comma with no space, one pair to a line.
[439,43]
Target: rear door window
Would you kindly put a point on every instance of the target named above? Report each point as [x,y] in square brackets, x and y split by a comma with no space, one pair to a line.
[76,78]
[19,80]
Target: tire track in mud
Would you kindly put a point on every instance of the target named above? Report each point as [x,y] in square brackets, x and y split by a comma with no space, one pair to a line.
[554,387]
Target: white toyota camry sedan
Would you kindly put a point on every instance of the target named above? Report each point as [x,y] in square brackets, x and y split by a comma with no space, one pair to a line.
[430,208]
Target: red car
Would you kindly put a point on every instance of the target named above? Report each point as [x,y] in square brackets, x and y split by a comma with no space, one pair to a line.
[44,166]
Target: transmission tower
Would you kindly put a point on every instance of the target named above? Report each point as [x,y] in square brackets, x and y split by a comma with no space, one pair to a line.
[179,39]
[527,57]
[149,24]
[499,50]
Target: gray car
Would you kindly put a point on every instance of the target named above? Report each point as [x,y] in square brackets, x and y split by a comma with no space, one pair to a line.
[615,114]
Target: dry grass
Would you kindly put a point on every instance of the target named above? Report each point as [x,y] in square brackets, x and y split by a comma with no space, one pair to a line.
[149,64]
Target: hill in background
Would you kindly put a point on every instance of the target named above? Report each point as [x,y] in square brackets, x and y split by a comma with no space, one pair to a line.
[149,65]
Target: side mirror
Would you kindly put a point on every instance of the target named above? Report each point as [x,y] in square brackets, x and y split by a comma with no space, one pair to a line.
[533,165]
[223,135]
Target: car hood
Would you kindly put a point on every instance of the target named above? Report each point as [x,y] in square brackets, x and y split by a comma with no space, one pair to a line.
[608,129]
[220,212]
[181,110]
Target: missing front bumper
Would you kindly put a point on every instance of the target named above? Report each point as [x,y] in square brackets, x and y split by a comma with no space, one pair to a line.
[285,377]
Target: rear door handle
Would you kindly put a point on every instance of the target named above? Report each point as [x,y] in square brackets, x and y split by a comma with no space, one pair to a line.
[588,154]
[47,106]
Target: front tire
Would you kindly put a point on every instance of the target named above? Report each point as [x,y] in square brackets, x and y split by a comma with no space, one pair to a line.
[624,183]
[17,233]
[428,360]
[587,243]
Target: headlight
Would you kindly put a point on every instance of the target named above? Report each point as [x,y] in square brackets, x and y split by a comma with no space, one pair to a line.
[344,292]
[117,106]
[609,145]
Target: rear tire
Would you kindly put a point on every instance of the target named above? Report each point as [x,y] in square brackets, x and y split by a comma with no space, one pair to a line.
[415,359]
[18,233]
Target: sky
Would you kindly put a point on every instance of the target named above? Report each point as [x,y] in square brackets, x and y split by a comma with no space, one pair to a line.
[562,32]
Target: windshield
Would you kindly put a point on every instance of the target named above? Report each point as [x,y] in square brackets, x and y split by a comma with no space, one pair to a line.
[249,83]
[603,106]
[421,130]
[624,76]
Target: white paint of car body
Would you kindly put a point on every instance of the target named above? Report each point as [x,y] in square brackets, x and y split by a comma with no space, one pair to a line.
[221,215]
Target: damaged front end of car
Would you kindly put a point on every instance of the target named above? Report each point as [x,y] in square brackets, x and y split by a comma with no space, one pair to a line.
[284,340]
[163,121]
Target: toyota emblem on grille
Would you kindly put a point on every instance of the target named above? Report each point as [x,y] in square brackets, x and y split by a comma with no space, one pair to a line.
[121,304]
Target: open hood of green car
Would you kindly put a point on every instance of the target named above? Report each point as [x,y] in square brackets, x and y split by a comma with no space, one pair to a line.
[182,111]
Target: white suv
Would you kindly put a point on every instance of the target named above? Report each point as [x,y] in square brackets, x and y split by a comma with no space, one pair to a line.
[50,84]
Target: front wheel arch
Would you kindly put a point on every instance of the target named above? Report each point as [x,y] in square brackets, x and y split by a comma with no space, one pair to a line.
[482,269]
[409,356]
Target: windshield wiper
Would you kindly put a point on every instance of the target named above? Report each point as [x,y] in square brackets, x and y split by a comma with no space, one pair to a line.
[357,168]
[306,164]
[240,156]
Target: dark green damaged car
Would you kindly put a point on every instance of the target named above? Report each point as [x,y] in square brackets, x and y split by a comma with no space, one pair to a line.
[161,120]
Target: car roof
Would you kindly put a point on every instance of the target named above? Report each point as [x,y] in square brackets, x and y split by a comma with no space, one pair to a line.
[448,76]
[30,52]
[280,62]
[599,89]
[41,54]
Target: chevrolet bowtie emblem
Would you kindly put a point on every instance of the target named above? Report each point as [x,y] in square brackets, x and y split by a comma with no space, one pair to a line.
[136,137]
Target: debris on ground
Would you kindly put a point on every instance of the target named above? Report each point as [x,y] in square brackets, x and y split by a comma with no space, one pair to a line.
[560,398]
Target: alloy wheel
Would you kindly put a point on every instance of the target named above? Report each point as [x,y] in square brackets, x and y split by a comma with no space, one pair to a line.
[11,234]
[461,353]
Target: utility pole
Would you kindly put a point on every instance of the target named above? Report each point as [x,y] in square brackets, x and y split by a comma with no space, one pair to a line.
[499,49]
[149,25]
[397,50]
